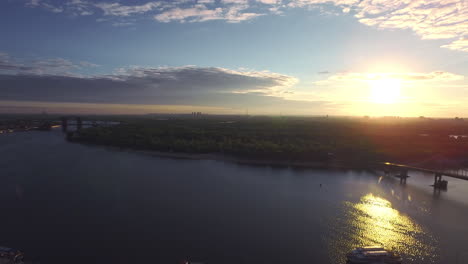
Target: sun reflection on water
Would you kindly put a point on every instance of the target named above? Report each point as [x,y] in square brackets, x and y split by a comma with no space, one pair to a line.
[373,221]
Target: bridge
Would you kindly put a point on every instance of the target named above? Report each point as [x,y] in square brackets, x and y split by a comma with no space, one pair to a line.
[438,182]
[65,122]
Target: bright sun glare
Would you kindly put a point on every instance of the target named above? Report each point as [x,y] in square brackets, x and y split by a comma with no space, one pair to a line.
[385,91]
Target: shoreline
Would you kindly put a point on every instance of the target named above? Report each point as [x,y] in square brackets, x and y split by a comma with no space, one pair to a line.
[234,160]
[332,164]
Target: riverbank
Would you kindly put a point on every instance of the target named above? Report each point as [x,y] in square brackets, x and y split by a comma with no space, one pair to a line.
[239,160]
[295,142]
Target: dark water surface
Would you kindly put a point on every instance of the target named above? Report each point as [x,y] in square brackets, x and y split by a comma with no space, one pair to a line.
[70,203]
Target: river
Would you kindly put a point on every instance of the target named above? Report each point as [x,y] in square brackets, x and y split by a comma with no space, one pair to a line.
[70,203]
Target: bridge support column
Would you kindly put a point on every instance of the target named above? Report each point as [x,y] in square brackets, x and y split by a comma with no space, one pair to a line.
[438,182]
[403,176]
[437,179]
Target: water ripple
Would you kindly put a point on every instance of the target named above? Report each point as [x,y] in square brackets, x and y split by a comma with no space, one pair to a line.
[373,221]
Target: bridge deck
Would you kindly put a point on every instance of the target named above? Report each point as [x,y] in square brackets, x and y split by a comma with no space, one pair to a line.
[444,173]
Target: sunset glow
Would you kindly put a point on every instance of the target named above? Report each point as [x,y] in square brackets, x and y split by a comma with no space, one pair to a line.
[234,131]
[267,56]
[385,91]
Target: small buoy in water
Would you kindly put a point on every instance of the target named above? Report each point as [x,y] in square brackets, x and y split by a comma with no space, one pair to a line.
[320,185]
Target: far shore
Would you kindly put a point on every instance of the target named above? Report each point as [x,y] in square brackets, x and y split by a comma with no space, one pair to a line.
[332,164]
[237,160]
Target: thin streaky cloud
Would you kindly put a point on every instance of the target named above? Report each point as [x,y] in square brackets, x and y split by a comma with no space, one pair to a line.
[58,80]
[435,76]
[429,19]
[54,66]
[461,44]
[117,9]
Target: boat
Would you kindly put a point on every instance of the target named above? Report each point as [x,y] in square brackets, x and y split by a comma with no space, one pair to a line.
[372,255]
[10,256]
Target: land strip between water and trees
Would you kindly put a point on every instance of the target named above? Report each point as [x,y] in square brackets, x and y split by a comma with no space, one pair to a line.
[291,141]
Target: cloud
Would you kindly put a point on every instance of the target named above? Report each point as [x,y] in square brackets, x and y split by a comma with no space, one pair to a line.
[195,78]
[429,19]
[117,9]
[54,66]
[206,1]
[52,8]
[163,11]
[88,64]
[134,90]
[45,5]
[200,13]
[269,2]
[33,3]
[461,44]
[193,14]
[236,14]
[79,8]
[435,76]
[56,80]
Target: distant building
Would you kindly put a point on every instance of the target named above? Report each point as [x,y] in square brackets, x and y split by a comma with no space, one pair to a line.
[196,114]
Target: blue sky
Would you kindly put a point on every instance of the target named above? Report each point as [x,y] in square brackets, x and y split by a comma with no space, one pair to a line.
[224,56]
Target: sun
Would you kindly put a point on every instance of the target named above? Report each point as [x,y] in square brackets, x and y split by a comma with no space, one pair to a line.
[385,91]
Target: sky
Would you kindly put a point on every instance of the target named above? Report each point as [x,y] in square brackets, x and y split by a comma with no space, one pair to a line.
[274,57]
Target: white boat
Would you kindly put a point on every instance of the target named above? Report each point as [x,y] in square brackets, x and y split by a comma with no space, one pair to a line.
[372,255]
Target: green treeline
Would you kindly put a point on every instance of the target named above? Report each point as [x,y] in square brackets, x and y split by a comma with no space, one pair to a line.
[290,139]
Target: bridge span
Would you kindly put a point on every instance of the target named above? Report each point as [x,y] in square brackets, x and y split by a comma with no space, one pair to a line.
[438,182]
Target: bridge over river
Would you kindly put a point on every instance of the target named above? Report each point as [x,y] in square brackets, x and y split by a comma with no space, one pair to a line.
[438,182]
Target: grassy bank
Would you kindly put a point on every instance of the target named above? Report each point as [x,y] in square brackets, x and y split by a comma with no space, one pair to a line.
[352,142]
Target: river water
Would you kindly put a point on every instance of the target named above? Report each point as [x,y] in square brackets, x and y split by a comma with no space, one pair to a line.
[69,203]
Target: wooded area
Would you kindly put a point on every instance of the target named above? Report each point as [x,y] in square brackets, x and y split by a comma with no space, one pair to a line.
[347,140]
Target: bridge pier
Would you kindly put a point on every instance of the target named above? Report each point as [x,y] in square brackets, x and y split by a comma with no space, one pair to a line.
[65,119]
[437,178]
[438,182]
[403,176]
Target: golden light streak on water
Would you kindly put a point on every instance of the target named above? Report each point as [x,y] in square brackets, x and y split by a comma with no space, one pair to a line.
[373,221]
